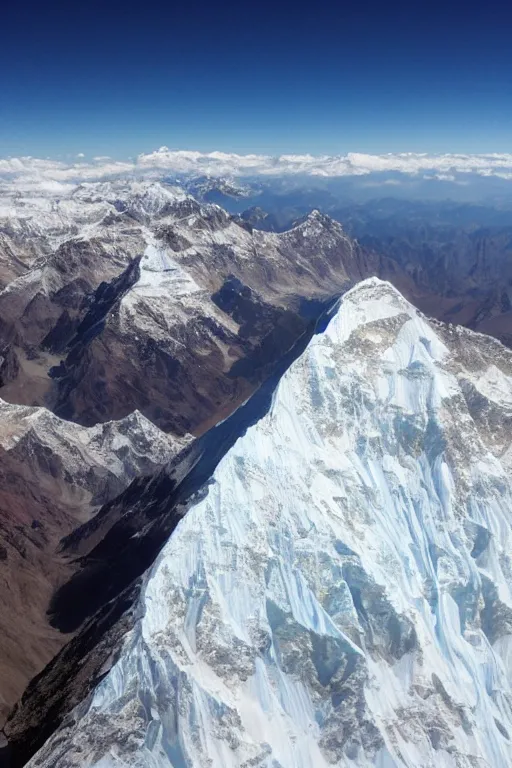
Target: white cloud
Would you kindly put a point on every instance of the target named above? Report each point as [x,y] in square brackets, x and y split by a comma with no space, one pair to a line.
[80,154]
[379,182]
[222,163]
[28,172]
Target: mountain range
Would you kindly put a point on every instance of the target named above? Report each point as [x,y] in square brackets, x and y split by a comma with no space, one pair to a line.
[255,488]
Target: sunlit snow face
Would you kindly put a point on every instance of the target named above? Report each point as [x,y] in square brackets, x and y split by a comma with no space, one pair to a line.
[334,597]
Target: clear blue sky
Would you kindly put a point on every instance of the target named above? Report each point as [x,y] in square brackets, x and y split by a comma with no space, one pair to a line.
[121,78]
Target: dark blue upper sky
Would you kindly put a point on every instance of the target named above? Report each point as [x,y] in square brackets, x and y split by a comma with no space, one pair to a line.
[121,78]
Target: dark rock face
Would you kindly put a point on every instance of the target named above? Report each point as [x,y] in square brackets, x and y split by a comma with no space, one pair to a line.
[118,371]
[104,299]
[58,689]
[174,240]
[9,366]
[267,332]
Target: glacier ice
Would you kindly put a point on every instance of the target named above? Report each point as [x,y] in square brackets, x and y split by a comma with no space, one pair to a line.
[342,594]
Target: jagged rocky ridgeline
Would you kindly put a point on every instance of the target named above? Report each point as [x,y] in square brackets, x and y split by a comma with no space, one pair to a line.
[149,300]
[338,593]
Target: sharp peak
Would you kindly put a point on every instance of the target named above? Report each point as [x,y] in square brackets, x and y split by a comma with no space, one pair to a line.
[314,216]
[374,291]
[375,283]
[317,215]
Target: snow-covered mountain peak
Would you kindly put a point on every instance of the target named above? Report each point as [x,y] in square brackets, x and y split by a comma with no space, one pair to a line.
[374,299]
[153,198]
[375,321]
[141,199]
[316,221]
[56,452]
[342,594]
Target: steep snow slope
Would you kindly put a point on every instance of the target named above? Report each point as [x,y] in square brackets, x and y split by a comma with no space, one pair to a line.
[342,595]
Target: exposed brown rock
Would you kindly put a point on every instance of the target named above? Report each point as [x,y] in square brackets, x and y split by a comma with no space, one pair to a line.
[54,475]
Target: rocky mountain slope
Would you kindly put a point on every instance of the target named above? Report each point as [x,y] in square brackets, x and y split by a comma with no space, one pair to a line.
[135,306]
[339,593]
[54,476]
[456,256]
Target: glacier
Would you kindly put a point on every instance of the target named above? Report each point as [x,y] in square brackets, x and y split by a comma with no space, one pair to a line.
[341,595]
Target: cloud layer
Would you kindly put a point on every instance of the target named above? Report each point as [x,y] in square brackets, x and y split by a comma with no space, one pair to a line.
[352,164]
[54,175]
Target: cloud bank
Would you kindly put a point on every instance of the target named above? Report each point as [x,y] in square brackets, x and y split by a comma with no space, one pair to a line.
[55,175]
